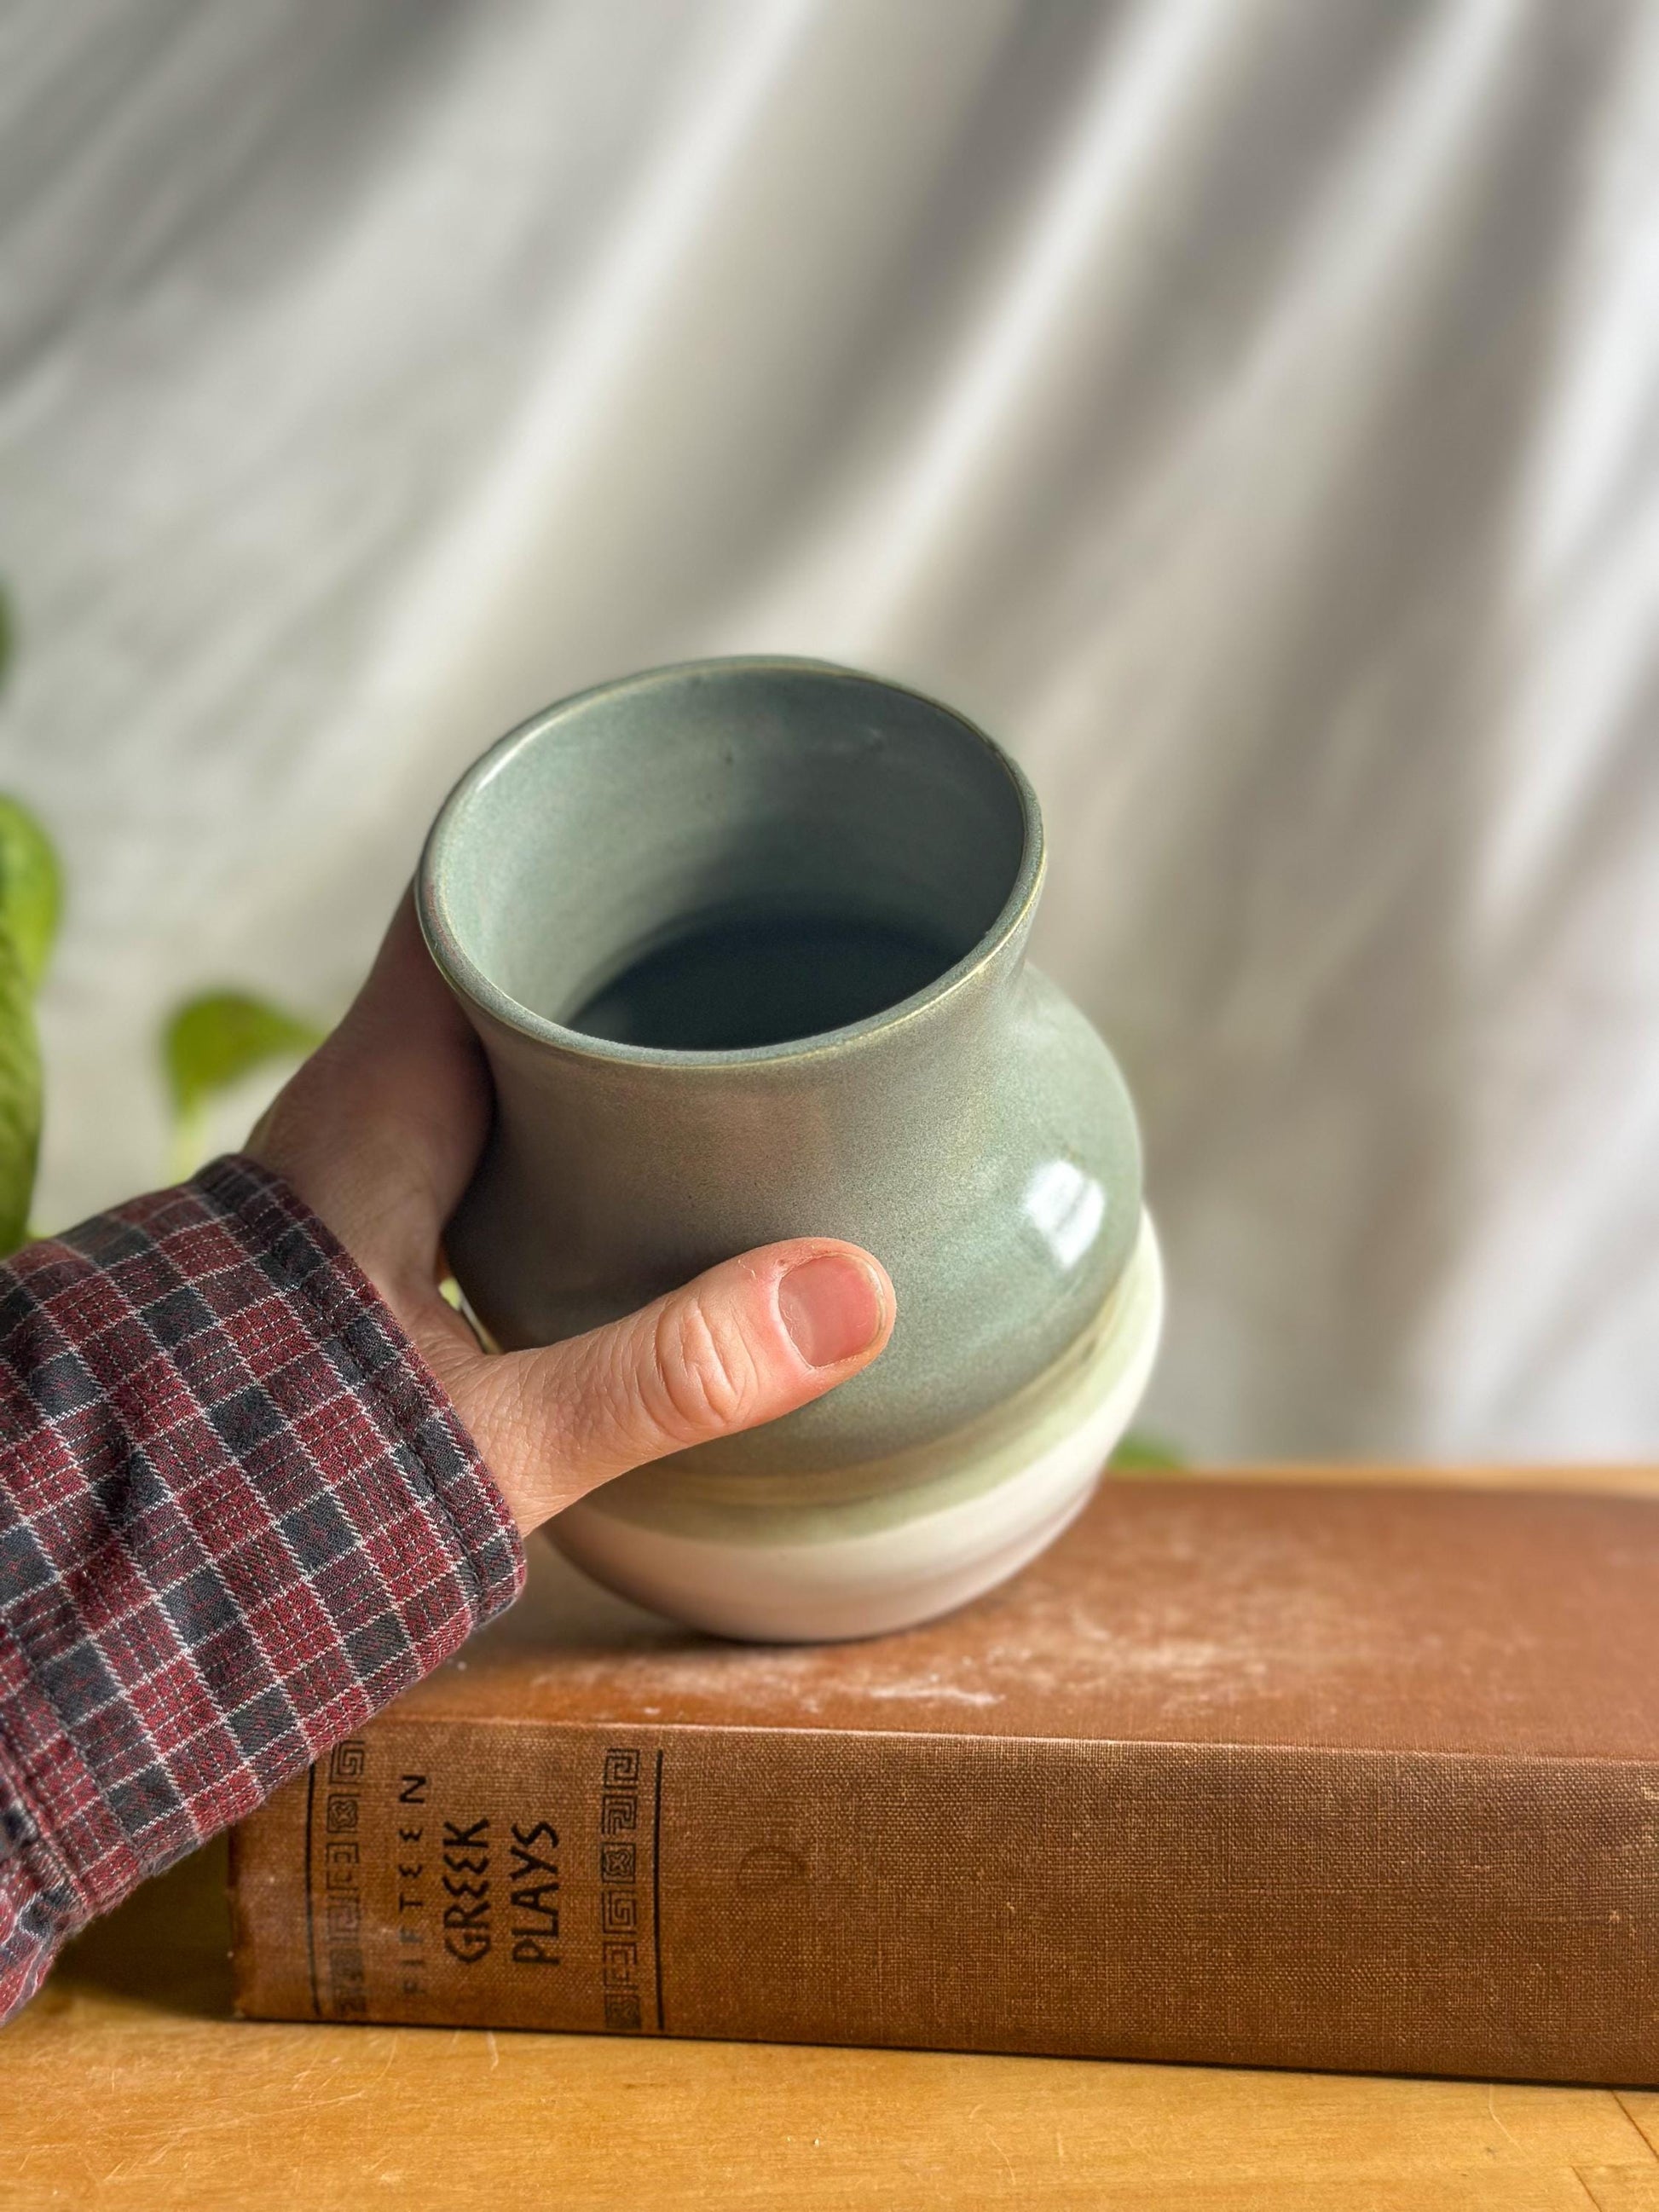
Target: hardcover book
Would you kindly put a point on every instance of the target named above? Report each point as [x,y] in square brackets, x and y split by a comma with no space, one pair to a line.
[1263,1772]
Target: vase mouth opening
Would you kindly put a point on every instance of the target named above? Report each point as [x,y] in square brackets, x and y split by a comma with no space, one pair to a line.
[729,861]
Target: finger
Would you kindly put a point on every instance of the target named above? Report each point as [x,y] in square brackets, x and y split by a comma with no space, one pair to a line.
[752,1339]
[413,1061]
[381,1128]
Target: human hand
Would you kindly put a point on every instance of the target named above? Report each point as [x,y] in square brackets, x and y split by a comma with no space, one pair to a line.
[379,1132]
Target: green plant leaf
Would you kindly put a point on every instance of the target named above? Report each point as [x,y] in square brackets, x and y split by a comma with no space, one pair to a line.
[1143,1453]
[31,889]
[215,1041]
[20,1095]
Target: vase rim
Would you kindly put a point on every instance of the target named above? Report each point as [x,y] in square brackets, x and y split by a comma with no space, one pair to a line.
[471,982]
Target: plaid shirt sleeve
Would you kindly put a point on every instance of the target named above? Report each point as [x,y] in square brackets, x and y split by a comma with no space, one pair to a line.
[237,1516]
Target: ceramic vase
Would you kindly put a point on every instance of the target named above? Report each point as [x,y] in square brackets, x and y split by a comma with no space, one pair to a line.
[744,943]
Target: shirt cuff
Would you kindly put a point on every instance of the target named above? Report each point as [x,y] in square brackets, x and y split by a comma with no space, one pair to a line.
[238,1515]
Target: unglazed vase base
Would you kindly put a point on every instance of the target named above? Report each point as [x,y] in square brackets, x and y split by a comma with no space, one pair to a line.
[752,1575]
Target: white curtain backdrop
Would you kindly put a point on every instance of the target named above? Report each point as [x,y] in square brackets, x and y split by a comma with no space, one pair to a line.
[1249,409]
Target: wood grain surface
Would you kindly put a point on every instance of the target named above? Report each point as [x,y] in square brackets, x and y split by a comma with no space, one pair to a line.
[126,2084]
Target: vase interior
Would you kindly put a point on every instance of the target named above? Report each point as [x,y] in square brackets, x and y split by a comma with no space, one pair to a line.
[733,858]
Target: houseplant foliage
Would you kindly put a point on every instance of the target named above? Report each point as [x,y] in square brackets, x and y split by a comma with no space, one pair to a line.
[214,1041]
[31,899]
[209,1043]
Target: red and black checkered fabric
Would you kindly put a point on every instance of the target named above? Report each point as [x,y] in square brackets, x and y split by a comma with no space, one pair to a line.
[237,1516]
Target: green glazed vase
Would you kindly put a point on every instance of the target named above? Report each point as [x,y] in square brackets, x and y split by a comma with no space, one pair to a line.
[743,941]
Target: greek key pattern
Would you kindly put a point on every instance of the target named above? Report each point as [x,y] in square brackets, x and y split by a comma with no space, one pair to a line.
[343,1895]
[619,1895]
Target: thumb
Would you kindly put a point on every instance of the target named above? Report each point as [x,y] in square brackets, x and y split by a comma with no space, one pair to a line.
[751,1339]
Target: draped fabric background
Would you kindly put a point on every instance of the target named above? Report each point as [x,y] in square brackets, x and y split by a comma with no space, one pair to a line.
[1249,409]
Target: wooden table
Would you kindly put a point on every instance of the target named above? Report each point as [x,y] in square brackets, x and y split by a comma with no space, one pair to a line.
[127,2084]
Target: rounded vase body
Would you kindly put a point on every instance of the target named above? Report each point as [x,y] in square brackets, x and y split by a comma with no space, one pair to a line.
[744,944]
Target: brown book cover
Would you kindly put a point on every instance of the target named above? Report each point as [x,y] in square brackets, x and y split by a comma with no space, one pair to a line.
[1259,1773]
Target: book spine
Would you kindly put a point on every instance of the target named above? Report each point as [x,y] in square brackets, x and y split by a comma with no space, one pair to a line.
[1243,1906]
